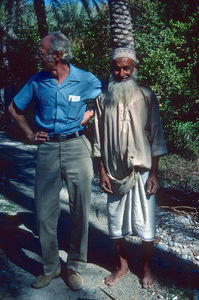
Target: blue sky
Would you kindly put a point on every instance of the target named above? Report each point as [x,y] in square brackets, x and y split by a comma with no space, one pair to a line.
[47,1]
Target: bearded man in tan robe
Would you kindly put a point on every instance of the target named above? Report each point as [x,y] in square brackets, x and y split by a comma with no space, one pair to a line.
[128,143]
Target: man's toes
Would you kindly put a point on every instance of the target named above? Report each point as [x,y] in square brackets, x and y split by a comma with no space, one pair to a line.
[109,280]
[145,284]
[109,283]
[148,283]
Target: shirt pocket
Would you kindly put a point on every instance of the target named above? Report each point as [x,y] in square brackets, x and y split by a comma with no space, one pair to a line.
[74,110]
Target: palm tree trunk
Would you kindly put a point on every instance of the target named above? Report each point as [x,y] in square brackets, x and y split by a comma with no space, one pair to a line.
[86,6]
[120,24]
[40,12]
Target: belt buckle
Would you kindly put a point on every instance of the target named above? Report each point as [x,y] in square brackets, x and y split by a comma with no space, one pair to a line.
[62,137]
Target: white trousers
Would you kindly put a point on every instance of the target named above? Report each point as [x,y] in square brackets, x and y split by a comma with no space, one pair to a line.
[133,213]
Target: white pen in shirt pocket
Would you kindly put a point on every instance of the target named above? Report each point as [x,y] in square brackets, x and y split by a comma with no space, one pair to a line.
[73,98]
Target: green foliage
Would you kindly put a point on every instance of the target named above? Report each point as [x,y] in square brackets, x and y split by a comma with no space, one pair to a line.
[167,56]
[178,172]
[92,48]
[21,56]
[166,40]
[167,49]
[19,38]
[183,138]
[67,17]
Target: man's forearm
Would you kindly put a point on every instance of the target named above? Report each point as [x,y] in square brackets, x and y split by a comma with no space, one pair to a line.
[154,166]
[152,183]
[21,121]
[105,183]
[102,167]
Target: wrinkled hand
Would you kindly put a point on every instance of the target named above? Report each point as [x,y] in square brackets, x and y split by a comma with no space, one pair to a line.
[87,116]
[105,184]
[151,185]
[39,137]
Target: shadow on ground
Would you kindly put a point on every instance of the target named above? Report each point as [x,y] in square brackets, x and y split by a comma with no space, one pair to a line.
[17,170]
[17,180]
[13,240]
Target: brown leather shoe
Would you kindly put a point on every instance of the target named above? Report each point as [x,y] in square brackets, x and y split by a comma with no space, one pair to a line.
[74,280]
[43,280]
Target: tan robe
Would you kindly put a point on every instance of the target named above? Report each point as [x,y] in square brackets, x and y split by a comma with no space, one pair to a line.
[127,139]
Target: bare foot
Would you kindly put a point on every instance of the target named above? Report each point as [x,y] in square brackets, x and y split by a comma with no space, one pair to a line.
[115,276]
[148,280]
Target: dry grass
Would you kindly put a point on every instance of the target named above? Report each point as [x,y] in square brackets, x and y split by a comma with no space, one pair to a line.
[179,173]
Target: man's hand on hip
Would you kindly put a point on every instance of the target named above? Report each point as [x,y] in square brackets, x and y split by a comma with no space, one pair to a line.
[87,116]
[39,137]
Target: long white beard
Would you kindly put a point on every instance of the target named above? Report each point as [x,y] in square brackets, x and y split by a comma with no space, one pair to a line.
[122,92]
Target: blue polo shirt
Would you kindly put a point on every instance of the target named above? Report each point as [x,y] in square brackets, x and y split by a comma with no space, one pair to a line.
[59,108]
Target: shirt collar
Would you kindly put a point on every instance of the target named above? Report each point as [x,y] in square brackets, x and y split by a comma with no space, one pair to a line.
[72,76]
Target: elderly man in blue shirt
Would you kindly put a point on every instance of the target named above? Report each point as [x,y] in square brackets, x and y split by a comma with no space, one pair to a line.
[60,93]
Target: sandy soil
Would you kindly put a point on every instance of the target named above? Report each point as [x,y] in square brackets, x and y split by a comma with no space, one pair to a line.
[20,260]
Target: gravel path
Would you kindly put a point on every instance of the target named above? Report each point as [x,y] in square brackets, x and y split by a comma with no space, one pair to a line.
[175,260]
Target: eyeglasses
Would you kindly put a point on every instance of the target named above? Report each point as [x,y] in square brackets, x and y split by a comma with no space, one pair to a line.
[41,54]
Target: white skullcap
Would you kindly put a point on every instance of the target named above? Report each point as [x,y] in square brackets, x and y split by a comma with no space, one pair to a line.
[124,52]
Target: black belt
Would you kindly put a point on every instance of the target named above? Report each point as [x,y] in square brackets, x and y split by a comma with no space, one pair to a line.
[64,137]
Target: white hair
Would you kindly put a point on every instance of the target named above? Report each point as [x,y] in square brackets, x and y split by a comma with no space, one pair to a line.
[59,42]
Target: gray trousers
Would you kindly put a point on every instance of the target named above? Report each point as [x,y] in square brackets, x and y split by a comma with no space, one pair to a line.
[69,161]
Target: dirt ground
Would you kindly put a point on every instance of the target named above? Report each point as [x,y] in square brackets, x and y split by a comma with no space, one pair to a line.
[20,257]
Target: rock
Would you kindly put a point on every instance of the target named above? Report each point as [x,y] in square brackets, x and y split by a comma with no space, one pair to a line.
[188,238]
[160,297]
[162,246]
[195,252]
[178,233]
[183,220]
